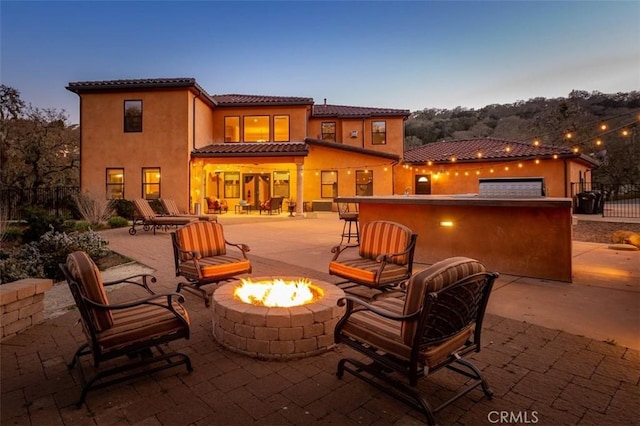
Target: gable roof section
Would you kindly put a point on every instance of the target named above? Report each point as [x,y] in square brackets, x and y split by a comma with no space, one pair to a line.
[355,149]
[257,149]
[79,87]
[255,100]
[488,149]
[343,111]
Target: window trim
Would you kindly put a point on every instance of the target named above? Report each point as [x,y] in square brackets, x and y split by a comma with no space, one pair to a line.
[244,134]
[288,139]
[374,133]
[335,131]
[146,184]
[224,125]
[129,128]
[109,184]
[335,182]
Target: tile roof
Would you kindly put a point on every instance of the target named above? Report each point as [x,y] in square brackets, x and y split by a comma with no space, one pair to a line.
[249,100]
[132,84]
[344,111]
[342,147]
[257,149]
[483,149]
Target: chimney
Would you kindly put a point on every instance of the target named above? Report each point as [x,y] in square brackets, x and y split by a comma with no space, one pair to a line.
[325,101]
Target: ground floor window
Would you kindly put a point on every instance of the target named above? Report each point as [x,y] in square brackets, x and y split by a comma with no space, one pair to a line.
[364,182]
[151,183]
[115,184]
[281,184]
[232,185]
[328,184]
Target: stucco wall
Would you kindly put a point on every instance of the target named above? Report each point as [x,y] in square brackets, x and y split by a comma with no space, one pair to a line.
[163,142]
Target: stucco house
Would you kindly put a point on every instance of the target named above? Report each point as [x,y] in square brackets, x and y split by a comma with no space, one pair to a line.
[456,166]
[169,138]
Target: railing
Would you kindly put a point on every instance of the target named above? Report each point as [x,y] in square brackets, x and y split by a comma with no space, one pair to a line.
[609,200]
[56,200]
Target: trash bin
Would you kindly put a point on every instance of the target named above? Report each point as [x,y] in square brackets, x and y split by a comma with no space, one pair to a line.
[197,208]
[586,203]
[598,203]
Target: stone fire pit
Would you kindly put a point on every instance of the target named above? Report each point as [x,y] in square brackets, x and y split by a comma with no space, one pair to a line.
[276,333]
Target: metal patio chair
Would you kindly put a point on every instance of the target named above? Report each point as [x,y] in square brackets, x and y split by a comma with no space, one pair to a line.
[404,339]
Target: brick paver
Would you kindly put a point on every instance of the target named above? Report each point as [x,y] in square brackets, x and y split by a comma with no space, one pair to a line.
[539,375]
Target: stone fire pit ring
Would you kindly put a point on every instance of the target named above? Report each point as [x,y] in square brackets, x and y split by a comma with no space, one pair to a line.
[276,333]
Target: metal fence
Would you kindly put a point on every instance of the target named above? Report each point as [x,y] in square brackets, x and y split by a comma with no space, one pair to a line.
[58,200]
[608,200]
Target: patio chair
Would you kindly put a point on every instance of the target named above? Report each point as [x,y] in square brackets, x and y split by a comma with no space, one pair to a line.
[200,256]
[438,321]
[384,258]
[216,206]
[272,205]
[134,333]
[149,219]
[171,208]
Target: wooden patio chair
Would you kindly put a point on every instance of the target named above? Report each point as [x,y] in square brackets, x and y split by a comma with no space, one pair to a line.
[200,256]
[384,258]
[133,334]
[148,219]
[171,208]
[438,321]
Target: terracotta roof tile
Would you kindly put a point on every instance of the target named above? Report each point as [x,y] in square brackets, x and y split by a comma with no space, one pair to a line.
[355,111]
[482,148]
[349,148]
[258,149]
[135,84]
[248,100]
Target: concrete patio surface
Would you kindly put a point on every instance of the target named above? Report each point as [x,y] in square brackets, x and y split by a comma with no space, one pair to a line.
[554,353]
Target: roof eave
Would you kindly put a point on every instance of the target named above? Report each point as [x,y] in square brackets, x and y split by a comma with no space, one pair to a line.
[335,145]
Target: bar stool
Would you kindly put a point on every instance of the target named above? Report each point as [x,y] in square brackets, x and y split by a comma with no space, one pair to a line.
[349,214]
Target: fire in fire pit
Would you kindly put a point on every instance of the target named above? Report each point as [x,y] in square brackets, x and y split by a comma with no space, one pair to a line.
[276,332]
[278,292]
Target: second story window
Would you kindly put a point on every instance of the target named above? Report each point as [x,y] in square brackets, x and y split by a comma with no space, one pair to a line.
[379,132]
[133,116]
[115,184]
[151,183]
[281,128]
[329,131]
[232,129]
[256,128]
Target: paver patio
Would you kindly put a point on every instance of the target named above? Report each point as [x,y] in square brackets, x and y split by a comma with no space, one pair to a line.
[539,375]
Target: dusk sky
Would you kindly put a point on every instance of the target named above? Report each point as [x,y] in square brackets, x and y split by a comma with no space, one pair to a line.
[409,55]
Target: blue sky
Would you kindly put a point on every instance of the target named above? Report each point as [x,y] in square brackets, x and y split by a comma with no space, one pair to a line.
[400,54]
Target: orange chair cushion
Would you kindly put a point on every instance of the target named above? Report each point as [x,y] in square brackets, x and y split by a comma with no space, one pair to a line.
[216,267]
[364,270]
[142,324]
[384,237]
[85,272]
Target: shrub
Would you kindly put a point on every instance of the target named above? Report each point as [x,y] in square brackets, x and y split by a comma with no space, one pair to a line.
[93,210]
[40,259]
[25,262]
[39,221]
[117,222]
[124,208]
[12,233]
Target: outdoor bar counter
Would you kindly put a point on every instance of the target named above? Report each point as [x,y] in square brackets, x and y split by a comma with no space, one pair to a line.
[528,237]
